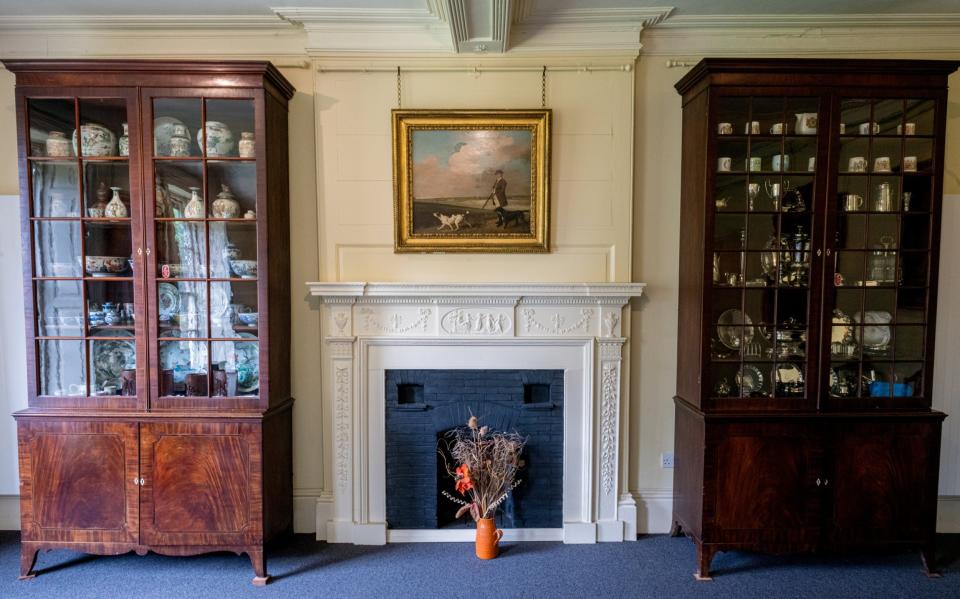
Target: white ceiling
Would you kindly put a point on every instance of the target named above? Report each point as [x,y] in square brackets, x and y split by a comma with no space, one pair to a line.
[682,7]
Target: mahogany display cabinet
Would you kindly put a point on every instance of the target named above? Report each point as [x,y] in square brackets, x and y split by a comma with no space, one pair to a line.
[810,210]
[156,282]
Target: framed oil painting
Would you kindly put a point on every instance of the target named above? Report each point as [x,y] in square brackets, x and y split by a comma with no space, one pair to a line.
[471,180]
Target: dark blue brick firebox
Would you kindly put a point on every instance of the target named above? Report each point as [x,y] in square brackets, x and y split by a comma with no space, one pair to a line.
[422,405]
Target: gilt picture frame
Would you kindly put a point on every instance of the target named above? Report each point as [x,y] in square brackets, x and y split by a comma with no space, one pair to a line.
[471,180]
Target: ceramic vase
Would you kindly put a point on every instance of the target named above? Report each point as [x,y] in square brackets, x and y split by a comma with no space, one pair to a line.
[124,141]
[225,206]
[180,141]
[194,208]
[488,538]
[99,207]
[247,145]
[57,144]
[116,208]
[220,140]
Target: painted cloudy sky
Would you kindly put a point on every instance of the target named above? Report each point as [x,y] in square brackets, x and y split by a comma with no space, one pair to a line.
[459,164]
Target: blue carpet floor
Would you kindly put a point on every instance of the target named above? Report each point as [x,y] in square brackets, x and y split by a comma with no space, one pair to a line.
[655,566]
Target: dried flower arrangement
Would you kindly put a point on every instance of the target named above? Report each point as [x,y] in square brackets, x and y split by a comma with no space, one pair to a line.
[487,467]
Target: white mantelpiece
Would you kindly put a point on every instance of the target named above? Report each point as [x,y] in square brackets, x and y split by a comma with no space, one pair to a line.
[371,327]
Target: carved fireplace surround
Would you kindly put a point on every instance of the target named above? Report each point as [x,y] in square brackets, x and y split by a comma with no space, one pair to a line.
[369,328]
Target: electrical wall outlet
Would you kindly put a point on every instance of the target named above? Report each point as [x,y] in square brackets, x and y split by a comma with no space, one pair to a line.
[666,459]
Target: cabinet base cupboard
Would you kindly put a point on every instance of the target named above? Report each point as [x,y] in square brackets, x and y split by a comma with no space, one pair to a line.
[810,203]
[156,276]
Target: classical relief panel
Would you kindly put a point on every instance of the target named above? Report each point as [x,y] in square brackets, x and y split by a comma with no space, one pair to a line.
[463,321]
[395,321]
[557,322]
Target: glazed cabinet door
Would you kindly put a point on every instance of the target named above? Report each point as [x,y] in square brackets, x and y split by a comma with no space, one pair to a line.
[885,482]
[206,188]
[202,484]
[764,200]
[763,484]
[883,229]
[78,481]
[83,247]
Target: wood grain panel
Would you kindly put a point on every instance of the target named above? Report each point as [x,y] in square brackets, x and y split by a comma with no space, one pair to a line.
[78,481]
[202,483]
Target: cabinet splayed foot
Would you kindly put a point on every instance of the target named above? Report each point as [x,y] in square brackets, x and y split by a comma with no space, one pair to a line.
[156,277]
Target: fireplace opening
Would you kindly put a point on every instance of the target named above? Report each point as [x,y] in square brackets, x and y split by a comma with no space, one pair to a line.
[442,401]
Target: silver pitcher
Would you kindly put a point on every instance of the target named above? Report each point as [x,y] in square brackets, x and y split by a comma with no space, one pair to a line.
[883,198]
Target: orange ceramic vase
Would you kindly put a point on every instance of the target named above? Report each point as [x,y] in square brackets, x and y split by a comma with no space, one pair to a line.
[488,538]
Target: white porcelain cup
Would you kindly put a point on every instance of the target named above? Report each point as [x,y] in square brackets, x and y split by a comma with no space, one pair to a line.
[755,163]
[843,128]
[909,164]
[812,164]
[751,128]
[724,164]
[781,162]
[725,128]
[778,128]
[881,164]
[857,164]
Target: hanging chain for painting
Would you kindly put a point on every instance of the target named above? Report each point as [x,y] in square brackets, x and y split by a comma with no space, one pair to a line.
[399,104]
[543,87]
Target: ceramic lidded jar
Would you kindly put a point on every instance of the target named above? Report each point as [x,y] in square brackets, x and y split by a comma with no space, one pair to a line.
[95,140]
[220,140]
[98,209]
[116,208]
[124,141]
[225,206]
[180,141]
[194,208]
[247,145]
[57,144]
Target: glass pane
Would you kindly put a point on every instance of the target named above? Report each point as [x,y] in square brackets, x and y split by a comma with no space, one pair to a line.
[803,112]
[181,250]
[854,155]
[723,379]
[110,307]
[732,157]
[888,114]
[918,156]
[175,184]
[883,194]
[234,248]
[57,248]
[916,193]
[183,368]
[885,155]
[755,380]
[921,114]
[844,379]
[909,378]
[768,112]
[109,249]
[176,127]
[802,154]
[855,117]
[113,364]
[240,359]
[62,367]
[732,115]
[52,121]
[763,155]
[59,309]
[731,193]
[230,122]
[911,305]
[56,189]
[182,309]
[233,308]
[914,269]
[103,181]
[102,125]
[232,187]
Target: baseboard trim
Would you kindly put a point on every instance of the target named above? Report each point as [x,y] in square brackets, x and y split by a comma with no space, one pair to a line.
[655,511]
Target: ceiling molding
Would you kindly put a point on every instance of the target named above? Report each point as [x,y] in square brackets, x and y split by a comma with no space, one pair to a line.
[480,26]
[533,12]
[754,21]
[142,22]
[432,13]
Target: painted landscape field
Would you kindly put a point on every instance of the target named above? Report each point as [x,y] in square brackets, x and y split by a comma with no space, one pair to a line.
[474,217]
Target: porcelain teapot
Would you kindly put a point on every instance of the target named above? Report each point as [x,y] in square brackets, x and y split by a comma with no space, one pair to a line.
[806,123]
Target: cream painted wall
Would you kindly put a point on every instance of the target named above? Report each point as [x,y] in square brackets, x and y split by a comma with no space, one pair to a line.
[341,207]
[591,188]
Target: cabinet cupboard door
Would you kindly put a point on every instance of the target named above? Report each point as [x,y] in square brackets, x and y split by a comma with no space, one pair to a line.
[885,483]
[78,481]
[764,478]
[202,484]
